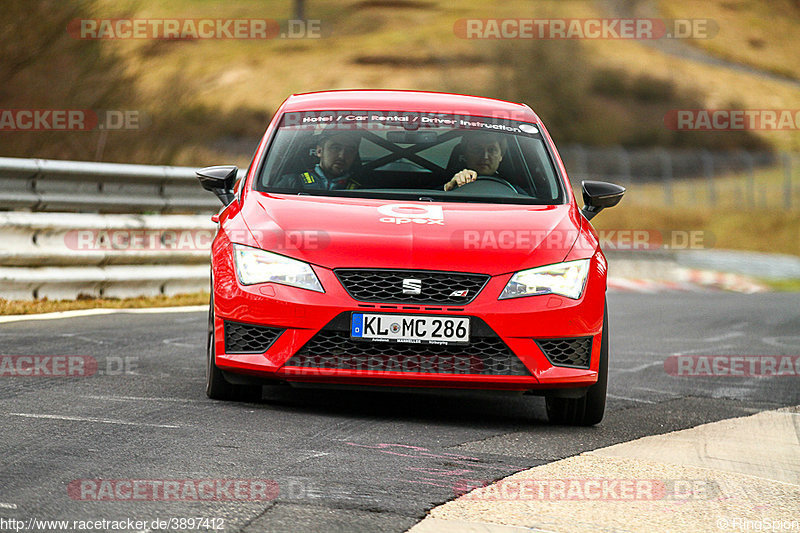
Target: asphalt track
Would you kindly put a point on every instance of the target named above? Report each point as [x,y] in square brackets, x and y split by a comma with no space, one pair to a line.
[343,461]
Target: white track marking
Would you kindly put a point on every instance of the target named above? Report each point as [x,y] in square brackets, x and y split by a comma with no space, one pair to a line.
[173,342]
[628,398]
[637,368]
[95,420]
[96,312]
[648,389]
[81,338]
[140,399]
[724,336]
[784,341]
[705,351]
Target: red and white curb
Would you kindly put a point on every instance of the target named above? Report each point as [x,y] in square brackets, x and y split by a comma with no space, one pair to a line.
[689,280]
[722,280]
[649,286]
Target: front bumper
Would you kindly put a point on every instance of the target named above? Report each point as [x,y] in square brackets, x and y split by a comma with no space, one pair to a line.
[299,316]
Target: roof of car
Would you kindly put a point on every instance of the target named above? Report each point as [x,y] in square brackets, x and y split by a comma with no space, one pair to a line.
[419,101]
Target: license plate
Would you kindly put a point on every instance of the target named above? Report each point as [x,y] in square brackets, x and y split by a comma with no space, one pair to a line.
[410,328]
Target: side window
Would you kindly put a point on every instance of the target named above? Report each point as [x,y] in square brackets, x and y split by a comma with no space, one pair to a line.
[540,168]
[284,155]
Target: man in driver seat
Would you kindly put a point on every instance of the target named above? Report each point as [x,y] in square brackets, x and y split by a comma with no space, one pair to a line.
[481,153]
[337,153]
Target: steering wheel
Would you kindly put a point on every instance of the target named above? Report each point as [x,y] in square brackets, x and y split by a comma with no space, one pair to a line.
[495,179]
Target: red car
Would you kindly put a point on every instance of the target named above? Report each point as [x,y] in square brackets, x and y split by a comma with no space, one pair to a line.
[409,239]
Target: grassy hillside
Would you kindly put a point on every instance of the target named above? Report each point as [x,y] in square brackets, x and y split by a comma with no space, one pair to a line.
[208,100]
[753,32]
[411,44]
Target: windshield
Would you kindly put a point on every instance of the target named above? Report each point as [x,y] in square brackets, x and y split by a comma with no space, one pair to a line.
[377,154]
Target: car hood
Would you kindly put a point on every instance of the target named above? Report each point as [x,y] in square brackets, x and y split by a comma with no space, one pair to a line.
[336,232]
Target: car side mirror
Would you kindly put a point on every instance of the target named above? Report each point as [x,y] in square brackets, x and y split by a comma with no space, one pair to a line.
[219,180]
[597,195]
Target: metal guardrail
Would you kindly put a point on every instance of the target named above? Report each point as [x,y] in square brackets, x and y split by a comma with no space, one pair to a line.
[70,228]
[77,186]
[105,229]
[64,255]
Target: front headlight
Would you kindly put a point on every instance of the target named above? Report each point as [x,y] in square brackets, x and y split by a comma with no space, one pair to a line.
[567,279]
[259,266]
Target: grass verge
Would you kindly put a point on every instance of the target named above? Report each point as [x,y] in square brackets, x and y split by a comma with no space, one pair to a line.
[19,307]
[782,285]
[759,230]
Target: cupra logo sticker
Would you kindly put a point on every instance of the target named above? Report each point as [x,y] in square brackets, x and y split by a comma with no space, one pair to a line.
[412,214]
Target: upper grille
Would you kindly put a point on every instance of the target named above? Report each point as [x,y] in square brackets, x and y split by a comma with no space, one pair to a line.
[333,347]
[248,338]
[387,286]
[574,352]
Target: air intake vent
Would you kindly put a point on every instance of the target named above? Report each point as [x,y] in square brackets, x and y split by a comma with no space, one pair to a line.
[572,352]
[248,338]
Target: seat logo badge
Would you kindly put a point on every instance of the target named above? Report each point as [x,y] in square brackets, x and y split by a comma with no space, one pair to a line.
[412,286]
[459,294]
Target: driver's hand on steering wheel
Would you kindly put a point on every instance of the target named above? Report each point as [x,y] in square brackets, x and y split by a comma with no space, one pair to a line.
[461,178]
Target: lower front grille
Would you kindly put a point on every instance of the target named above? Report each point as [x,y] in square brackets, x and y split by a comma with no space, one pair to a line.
[333,348]
[249,338]
[571,352]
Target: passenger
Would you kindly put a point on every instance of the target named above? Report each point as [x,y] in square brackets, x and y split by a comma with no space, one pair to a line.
[337,153]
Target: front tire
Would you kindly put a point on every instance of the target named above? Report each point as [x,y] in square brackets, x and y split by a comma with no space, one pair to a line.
[587,410]
[217,387]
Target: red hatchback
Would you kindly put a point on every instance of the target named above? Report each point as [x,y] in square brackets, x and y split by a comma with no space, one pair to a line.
[409,239]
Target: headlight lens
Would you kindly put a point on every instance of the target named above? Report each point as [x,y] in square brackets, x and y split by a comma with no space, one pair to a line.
[259,266]
[567,279]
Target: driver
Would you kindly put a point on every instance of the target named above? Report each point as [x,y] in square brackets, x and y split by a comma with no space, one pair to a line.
[481,153]
[337,154]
